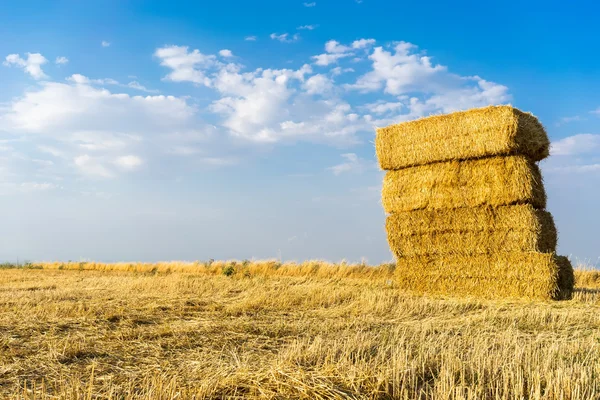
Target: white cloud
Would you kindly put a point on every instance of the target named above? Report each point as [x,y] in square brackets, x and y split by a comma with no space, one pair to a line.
[318,84]
[307,27]
[137,86]
[56,109]
[383,107]
[104,43]
[252,100]
[88,128]
[312,4]
[406,72]
[584,143]
[185,65]
[334,51]
[285,37]
[363,43]
[78,78]
[32,65]
[251,38]
[400,72]
[326,59]
[61,60]
[129,162]
[102,133]
[334,46]
[268,106]
[84,80]
[339,70]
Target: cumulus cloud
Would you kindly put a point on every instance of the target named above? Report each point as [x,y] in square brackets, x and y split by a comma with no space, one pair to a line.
[251,38]
[137,86]
[326,59]
[185,65]
[104,43]
[335,51]
[103,133]
[318,84]
[363,43]
[405,72]
[31,65]
[571,157]
[98,132]
[61,60]
[334,46]
[584,143]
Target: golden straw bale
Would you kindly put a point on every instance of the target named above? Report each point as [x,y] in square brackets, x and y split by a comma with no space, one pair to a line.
[477,230]
[530,275]
[493,181]
[480,132]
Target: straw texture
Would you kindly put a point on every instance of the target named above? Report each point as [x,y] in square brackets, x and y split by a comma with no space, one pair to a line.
[481,132]
[478,230]
[530,275]
[493,181]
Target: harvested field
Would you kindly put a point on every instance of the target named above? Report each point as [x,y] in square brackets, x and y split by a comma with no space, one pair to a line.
[186,330]
[493,181]
[482,132]
[528,275]
[478,230]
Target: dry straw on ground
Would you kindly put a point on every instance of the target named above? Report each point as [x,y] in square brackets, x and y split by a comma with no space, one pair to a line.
[477,230]
[493,181]
[489,131]
[530,275]
[186,331]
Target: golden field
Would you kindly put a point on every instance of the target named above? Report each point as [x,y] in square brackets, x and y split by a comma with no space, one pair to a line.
[267,330]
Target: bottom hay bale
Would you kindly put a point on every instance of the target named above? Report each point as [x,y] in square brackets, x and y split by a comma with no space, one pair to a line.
[528,275]
[566,277]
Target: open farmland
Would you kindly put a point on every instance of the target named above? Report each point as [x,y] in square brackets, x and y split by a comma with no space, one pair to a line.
[266,330]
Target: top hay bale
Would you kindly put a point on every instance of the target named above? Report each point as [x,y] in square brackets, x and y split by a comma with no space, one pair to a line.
[480,132]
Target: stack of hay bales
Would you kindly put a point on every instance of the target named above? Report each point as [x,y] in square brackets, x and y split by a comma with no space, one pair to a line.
[465,204]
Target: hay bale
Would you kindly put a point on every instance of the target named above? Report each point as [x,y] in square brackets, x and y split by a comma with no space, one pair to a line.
[478,230]
[566,278]
[493,181]
[529,275]
[481,132]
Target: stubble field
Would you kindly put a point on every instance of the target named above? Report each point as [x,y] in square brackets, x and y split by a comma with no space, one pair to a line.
[266,330]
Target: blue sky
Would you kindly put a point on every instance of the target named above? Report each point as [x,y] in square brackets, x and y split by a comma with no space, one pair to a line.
[150,131]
